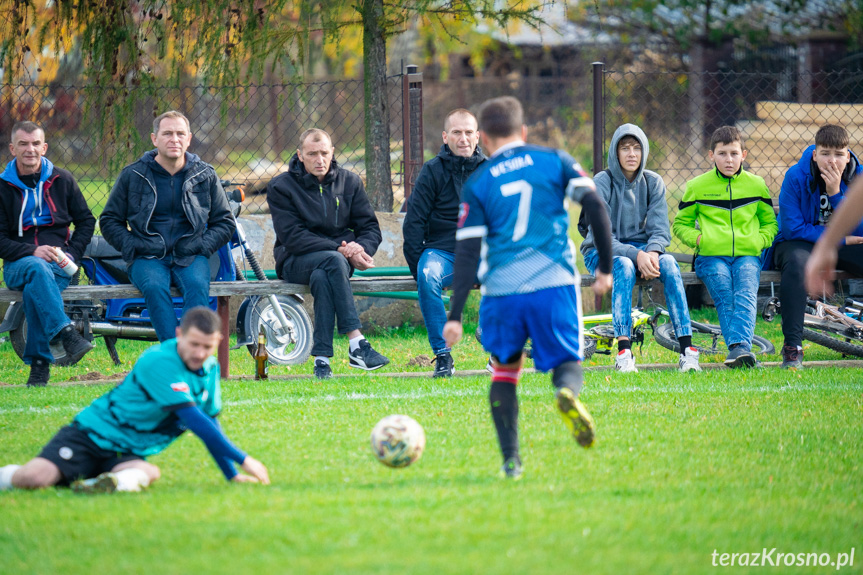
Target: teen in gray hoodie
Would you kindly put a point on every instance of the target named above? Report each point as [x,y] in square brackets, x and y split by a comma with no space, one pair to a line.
[640,232]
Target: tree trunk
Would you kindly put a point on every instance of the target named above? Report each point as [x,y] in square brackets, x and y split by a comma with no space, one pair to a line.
[377,111]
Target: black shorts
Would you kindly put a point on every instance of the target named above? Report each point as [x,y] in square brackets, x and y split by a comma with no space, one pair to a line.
[78,457]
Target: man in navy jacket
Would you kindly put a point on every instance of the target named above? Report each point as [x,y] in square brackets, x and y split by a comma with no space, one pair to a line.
[812,189]
[38,203]
[167,214]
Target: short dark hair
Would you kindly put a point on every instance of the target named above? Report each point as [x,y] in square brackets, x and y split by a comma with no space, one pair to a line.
[24,126]
[832,136]
[629,138]
[315,134]
[457,112]
[170,114]
[201,318]
[501,117]
[726,135]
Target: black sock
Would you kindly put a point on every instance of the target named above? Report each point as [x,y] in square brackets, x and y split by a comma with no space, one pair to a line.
[684,341]
[504,412]
[624,344]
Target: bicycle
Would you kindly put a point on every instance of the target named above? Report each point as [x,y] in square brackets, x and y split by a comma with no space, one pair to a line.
[837,328]
[706,338]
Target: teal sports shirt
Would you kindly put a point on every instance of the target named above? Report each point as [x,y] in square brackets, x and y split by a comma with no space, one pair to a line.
[138,415]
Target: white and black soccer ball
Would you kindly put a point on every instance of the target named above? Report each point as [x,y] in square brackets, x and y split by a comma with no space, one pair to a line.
[398,440]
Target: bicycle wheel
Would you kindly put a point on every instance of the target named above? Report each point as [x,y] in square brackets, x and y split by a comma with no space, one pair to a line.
[707,339]
[589,347]
[834,341]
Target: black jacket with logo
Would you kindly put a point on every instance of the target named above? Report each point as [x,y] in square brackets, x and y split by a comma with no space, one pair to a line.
[312,216]
[432,211]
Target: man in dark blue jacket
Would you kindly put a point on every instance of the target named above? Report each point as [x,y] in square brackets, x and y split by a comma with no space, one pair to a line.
[38,203]
[167,214]
[430,225]
[325,229]
[812,189]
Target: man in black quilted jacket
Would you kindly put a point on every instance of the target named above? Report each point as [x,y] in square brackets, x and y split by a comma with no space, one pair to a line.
[167,214]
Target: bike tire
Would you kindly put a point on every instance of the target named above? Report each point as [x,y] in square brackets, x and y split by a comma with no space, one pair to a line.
[833,341]
[282,349]
[702,340]
[18,339]
[589,348]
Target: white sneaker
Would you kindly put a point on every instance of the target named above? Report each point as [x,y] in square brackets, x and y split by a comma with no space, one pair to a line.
[624,362]
[688,360]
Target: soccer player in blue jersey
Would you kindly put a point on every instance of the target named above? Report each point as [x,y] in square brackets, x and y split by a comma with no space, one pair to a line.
[513,218]
[174,386]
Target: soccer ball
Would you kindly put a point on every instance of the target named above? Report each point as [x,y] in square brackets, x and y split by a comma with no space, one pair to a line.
[398,440]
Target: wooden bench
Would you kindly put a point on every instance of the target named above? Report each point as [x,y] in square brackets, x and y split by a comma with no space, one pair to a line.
[360,285]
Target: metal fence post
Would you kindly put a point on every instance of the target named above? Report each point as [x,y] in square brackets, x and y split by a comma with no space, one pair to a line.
[598,116]
[412,126]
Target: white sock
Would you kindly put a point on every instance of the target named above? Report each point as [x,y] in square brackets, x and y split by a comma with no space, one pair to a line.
[355,342]
[6,474]
[132,479]
[323,358]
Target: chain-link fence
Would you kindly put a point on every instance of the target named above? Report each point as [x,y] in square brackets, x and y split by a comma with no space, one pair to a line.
[679,111]
[248,133]
[558,111]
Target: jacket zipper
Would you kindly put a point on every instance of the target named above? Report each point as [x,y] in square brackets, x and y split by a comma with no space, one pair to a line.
[323,202]
[731,220]
[337,211]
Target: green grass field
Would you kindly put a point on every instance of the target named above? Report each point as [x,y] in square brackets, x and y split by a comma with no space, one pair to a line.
[732,461]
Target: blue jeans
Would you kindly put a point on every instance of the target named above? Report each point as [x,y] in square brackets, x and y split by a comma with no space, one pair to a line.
[41,283]
[624,275]
[153,277]
[434,273]
[733,285]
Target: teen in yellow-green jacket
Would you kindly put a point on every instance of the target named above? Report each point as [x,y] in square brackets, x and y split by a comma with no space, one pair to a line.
[727,216]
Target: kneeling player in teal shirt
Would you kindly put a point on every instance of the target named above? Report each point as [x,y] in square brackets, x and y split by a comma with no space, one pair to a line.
[174,386]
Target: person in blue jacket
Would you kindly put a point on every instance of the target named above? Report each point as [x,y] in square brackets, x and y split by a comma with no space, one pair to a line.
[812,189]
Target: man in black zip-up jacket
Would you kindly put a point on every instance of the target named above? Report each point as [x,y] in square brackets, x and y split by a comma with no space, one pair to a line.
[431,221]
[38,203]
[167,214]
[325,228]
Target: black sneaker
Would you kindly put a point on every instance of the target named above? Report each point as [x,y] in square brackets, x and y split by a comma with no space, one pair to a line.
[739,357]
[792,357]
[511,469]
[323,370]
[40,372]
[76,346]
[444,366]
[364,357]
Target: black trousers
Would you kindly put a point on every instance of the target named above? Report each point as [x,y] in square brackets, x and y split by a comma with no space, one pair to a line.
[328,275]
[790,258]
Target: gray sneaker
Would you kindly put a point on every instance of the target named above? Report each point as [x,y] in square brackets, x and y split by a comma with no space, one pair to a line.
[739,357]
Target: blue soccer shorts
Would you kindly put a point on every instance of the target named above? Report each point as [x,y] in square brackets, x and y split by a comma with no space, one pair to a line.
[549,317]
